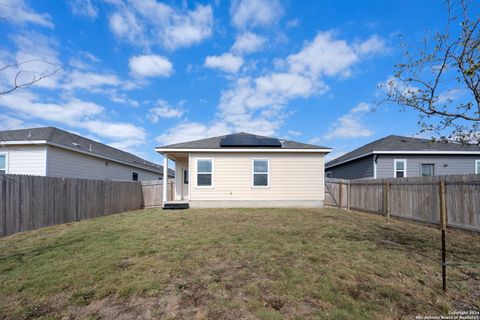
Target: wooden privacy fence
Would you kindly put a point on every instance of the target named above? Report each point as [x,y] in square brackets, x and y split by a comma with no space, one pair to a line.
[416,198]
[30,202]
[152,192]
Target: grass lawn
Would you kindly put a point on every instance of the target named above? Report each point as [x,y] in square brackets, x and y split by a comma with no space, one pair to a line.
[235,263]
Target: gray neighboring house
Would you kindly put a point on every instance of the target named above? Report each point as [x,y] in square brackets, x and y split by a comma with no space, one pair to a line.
[49,151]
[397,156]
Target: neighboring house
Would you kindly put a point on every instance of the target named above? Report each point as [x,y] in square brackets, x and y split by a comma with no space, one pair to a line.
[246,170]
[53,152]
[397,156]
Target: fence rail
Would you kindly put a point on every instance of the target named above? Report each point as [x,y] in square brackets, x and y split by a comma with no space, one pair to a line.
[30,202]
[416,198]
[152,192]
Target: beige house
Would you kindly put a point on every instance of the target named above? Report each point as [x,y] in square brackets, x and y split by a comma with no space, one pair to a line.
[245,170]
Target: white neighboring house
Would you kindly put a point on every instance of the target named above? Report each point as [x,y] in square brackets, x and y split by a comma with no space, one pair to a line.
[52,152]
[246,170]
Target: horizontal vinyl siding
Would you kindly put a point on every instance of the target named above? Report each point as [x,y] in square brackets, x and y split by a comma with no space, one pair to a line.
[65,163]
[443,164]
[28,160]
[356,169]
[292,177]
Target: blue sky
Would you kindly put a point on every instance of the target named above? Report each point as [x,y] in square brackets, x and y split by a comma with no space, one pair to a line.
[143,73]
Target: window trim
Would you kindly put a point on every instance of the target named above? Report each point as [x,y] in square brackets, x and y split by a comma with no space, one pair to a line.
[427,164]
[212,173]
[477,165]
[395,167]
[6,160]
[253,173]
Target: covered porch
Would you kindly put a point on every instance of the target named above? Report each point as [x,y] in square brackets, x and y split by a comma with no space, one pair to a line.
[179,199]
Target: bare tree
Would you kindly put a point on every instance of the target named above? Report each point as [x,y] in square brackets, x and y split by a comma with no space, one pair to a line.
[24,78]
[441,80]
[23,74]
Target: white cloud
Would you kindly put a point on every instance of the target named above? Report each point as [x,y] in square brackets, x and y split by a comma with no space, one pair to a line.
[227,62]
[451,95]
[125,26]
[373,45]
[114,130]
[350,125]
[292,23]
[10,123]
[285,86]
[163,110]
[253,13]
[324,55]
[150,66]
[89,81]
[148,22]
[248,42]
[30,106]
[259,105]
[17,11]
[361,107]
[192,131]
[74,113]
[84,8]
[294,133]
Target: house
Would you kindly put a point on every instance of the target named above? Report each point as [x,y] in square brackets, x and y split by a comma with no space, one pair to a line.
[247,170]
[397,156]
[49,151]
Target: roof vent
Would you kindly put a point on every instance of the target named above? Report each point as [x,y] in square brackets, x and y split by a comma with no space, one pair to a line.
[90,149]
[403,140]
[29,135]
[76,144]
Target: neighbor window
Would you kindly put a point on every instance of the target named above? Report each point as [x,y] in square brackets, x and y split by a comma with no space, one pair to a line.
[3,163]
[427,169]
[400,168]
[135,176]
[260,173]
[477,166]
[204,172]
[328,174]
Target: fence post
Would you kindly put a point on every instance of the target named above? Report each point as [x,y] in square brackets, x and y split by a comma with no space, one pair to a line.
[348,195]
[340,195]
[386,199]
[443,225]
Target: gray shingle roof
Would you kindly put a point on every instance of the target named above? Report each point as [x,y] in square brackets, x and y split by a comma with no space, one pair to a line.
[214,143]
[400,143]
[70,140]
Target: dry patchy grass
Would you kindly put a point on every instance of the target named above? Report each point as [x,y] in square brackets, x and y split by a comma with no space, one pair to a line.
[234,263]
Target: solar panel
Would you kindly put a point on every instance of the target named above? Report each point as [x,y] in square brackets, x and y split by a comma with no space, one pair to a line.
[236,140]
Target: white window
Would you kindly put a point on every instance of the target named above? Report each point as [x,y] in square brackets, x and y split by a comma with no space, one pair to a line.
[3,163]
[204,172]
[400,167]
[428,169]
[477,166]
[260,173]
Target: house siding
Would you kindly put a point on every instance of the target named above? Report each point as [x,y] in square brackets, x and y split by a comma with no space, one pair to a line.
[65,163]
[356,169]
[443,164]
[30,160]
[292,177]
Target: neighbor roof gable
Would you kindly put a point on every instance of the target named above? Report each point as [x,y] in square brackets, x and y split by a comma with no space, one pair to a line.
[78,143]
[400,144]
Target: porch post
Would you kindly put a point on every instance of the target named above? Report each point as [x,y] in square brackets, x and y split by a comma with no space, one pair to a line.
[165,178]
